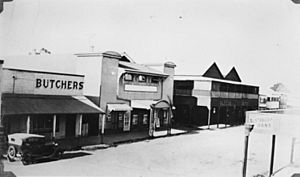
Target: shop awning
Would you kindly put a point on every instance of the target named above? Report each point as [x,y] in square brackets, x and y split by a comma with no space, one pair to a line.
[13,104]
[118,107]
[142,104]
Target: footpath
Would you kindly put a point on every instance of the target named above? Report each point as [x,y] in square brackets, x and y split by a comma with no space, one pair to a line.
[109,140]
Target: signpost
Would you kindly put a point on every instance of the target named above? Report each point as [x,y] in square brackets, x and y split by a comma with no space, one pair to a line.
[261,123]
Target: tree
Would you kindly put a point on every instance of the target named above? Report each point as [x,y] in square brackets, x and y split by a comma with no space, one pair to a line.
[279,87]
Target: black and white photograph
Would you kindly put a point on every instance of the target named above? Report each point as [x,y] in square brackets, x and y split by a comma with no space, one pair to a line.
[150,88]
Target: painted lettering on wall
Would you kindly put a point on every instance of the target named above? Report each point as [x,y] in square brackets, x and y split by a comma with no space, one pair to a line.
[58,84]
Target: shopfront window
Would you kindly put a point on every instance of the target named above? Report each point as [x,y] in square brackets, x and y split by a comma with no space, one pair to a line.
[134,119]
[108,117]
[43,123]
[145,119]
[165,117]
[126,122]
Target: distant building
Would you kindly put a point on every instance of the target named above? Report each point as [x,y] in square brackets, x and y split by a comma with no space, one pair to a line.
[269,99]
[212,98]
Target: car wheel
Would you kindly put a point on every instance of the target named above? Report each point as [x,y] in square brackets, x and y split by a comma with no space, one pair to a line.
[26,160]
[11,153]
[59,154]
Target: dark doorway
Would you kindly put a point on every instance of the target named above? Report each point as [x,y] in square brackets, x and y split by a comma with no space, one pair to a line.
[182,115]
[200,115]
[117,119]
[70,125]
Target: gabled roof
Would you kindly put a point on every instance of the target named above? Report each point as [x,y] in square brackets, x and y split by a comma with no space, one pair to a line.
[213,72]
[233,75]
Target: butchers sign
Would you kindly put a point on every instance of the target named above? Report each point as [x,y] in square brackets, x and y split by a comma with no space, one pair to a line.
[58,84]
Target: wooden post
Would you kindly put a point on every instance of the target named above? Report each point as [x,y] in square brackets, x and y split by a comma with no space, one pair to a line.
[169,122]
[208,121]
[219,108]
[28,125]
[292,150]
[102,128]
[245,155]
[80,125]
[54,126]
[151,123]
[248,129]
[272,154]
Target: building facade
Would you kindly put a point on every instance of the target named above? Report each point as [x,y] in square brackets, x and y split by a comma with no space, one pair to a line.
[133,97]
[212,98]
[269,99]
[46,103]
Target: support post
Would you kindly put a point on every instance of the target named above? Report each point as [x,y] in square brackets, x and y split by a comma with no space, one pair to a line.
[292,150]
[28,125]
[209,117]
[219,108]
[54,126]
[151,123]
[80,125]
[102,128]
[248,129]
[169,122]
[272,155]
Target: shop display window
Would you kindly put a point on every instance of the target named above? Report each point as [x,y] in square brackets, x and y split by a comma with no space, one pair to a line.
[44,123]
[108,117]
[120,116]
[134,119]
[145,119]
[126,122]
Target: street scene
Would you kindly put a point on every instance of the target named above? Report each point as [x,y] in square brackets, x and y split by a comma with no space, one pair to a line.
[193,154]
[149,88]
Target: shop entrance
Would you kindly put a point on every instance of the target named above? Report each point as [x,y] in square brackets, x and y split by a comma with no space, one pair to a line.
[70,125]
[117,120]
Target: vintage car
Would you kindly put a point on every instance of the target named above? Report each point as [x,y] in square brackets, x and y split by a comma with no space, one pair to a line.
[31,148]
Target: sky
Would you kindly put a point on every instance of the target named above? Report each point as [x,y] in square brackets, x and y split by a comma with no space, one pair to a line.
[261,38]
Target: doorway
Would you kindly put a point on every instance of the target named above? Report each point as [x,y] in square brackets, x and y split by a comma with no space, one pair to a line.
[70,125]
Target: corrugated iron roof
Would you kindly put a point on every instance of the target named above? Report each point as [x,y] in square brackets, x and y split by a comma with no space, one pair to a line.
[13,104]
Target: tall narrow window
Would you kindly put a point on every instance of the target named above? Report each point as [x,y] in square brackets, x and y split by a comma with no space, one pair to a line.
[134,119]
[145,119]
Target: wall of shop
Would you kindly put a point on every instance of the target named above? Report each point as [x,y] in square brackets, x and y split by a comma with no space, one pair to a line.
[168,83]
[30,82]
[90,66]
[109,80]
[140,90]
